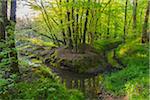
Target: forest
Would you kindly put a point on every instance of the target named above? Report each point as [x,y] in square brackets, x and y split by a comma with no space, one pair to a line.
[74,49]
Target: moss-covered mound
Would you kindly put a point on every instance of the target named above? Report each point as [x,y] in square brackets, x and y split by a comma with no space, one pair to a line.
[79,62]
[90,61]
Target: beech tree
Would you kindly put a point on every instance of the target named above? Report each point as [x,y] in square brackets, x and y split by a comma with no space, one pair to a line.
[145,34]
[70,45]
[85,27]
[81,22]
[61,21]
[4,22]
[125,21]
[2,26]
[13,53]
[134,16]
[3,18]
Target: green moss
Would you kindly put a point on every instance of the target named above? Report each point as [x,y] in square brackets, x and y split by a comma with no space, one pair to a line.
[82,63]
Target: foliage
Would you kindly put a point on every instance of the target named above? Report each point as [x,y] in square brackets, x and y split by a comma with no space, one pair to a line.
[106,45]
[44,89]
[43,85]
[104,21]
[79,25]
[137,89]
[132,80]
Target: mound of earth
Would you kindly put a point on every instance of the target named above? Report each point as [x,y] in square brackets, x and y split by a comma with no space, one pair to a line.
[79,62]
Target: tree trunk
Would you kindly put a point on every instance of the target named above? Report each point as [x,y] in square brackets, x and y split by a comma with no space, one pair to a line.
[2,31]
[125,21]
[81,24]
[96,23]
[48,23]
[145,34]
[73,18]
[3,16]
[4,12]
[70,45]
[92,22]
[134,16]
[115,28]
[61,21]
[77,31]
[85,29]
[13,10]
[2,26]
[13,53]
[108,23]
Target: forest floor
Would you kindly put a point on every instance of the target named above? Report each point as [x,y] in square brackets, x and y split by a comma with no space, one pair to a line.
[109,97]
[132,81]
[43,53]
[120,74]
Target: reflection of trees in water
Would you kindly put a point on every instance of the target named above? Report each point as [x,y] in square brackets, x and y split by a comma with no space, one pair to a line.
[89,84]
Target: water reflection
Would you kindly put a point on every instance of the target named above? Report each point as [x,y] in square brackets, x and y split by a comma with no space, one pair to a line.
[88,83]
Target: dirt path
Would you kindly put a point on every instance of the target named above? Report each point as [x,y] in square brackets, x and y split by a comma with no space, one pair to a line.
[105,96]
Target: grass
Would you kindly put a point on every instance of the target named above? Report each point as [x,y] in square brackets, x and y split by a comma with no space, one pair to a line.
[133,80]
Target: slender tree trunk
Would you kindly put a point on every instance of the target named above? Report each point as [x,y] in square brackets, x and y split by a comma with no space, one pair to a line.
[77,30]
[141,20]
[2,31]
[13,53]
[73,18]
[70,45]
[13,10]
[115,28]
[81,23]
[85,28]
[125,21]
[48,26]
[4,11]
[64,35]
[145,34]
[3,16]
[92,22]
[101,10]
[108,23]
[97,20]
[48,23]
[134,17]
[61,21]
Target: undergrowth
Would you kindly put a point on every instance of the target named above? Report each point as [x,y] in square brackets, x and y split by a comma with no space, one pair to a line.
[132,80]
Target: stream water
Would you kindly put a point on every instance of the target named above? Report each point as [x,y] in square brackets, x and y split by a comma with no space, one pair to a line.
[89,84]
